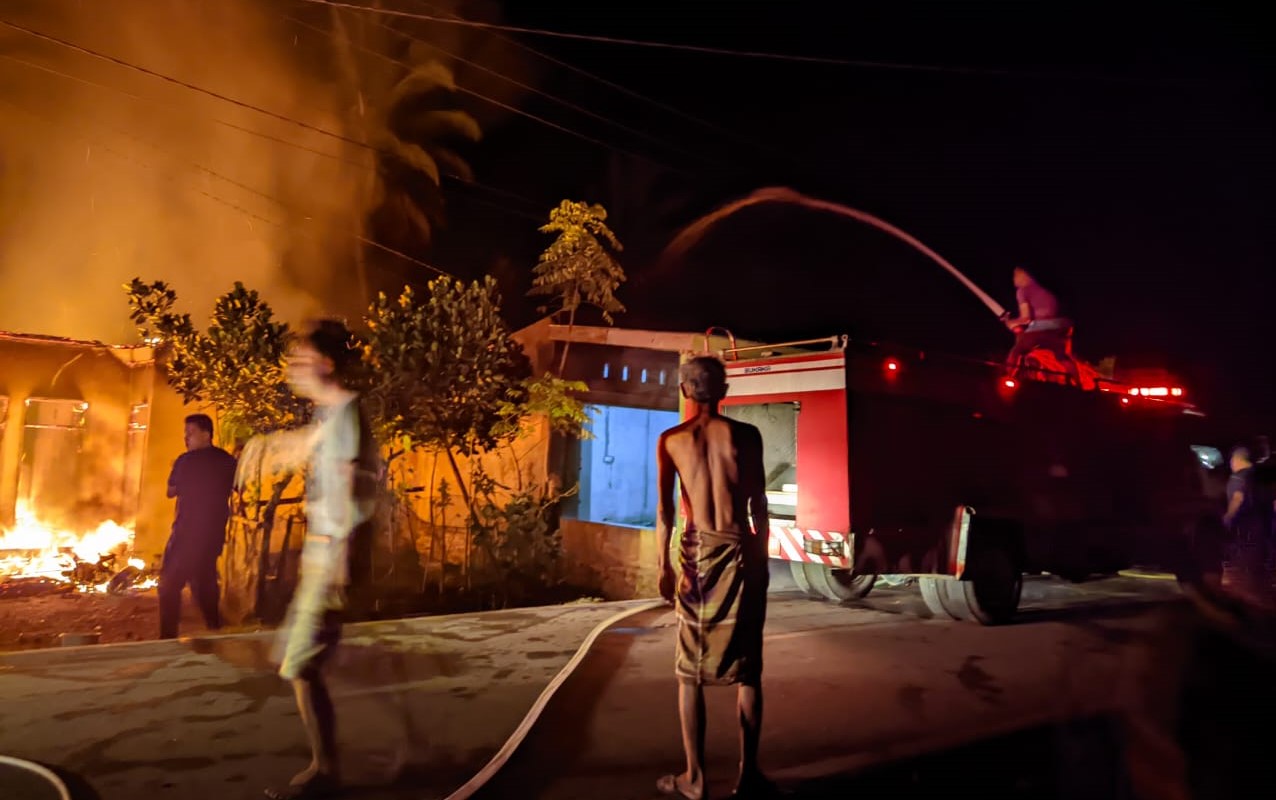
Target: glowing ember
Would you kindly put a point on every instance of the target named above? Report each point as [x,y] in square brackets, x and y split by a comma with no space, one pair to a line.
[35,549]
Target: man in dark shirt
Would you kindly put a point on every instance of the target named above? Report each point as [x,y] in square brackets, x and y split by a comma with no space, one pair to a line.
[1248,516]
[201,480]
[1039,324]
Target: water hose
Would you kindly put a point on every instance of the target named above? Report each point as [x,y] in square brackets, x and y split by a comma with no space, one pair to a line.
[43,772]
[779,194]
[520,733]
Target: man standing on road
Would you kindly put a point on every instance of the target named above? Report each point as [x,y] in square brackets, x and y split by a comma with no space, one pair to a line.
[340,491]
[721,596]
[1248,516]
[201,480]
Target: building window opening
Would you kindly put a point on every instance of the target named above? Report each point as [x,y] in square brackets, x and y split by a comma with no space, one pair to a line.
[618,466]
[49,471]
[778,424]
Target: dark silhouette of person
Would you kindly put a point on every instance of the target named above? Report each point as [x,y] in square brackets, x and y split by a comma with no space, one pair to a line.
[1040,324]
[1249,517]
[721,594]
[201,479]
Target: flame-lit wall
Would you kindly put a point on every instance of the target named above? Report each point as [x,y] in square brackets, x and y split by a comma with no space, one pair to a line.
[127,440]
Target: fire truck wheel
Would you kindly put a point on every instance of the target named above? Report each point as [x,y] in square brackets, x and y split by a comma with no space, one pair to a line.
[798,569]
[989,593]
[838,585]
[936,591]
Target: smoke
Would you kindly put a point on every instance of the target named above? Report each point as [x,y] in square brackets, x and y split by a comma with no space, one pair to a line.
[129,175]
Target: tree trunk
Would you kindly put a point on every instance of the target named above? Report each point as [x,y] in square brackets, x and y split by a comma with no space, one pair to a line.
[562,362]
[266,526]
[245,562]
[460,482]
[443,551]
[434,530]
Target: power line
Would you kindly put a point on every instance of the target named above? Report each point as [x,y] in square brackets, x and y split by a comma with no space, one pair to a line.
[490,100]
[735,53]
[690,48]
[216,95]
[184,84]
[625,90]
[507,78]
[230,204]
[216,120]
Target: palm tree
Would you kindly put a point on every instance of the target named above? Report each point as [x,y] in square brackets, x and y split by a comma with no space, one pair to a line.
[400,109]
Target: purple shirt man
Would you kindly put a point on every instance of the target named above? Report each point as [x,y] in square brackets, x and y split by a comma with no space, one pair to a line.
[1039,324]
[1035,301]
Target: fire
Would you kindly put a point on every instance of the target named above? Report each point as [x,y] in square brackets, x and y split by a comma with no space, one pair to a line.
[35,549]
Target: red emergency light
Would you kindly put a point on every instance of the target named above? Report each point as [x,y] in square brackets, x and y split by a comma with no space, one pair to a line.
[1009,383]
[1156,391]
[892,365]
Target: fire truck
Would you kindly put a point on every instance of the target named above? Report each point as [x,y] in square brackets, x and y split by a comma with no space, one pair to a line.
[884,460]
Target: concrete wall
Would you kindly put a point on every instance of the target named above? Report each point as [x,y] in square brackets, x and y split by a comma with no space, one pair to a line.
[123,464]
[617,562]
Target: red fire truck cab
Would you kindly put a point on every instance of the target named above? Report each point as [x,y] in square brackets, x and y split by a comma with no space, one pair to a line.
[886,461]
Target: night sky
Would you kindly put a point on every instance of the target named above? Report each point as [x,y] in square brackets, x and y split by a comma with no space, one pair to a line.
[1125,156]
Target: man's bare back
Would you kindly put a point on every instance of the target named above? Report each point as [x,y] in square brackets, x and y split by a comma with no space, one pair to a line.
[720,589]
[719,463]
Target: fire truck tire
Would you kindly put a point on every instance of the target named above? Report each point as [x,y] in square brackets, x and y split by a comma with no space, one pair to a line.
[798,569]
[931,588]
[838,585]
[989,593]
[944,597]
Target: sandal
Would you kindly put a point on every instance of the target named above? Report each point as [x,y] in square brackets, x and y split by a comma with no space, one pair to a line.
[668,784]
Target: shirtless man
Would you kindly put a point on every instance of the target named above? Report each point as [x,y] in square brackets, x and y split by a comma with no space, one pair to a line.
[721,596]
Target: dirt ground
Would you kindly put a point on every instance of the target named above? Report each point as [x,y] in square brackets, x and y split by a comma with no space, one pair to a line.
[34,615]
[37,619]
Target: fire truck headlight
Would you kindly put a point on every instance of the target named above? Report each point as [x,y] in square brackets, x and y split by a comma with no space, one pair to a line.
[1209,457]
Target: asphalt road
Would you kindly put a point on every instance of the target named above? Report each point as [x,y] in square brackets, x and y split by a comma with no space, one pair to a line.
[851,692]
[424,703]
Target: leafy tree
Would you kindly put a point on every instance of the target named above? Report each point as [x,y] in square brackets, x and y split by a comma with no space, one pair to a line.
[579,267]
[520,534]
[236,364]
[444,372]
[555,399]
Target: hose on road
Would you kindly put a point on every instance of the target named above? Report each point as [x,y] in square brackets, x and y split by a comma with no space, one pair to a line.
[43,772]
[520,733]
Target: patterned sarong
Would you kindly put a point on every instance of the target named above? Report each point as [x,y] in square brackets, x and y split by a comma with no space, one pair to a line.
[721,608]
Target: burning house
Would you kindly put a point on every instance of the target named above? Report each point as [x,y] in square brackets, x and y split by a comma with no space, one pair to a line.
[83,464]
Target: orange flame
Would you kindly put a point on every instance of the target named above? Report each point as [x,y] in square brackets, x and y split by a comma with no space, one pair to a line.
[33,548]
